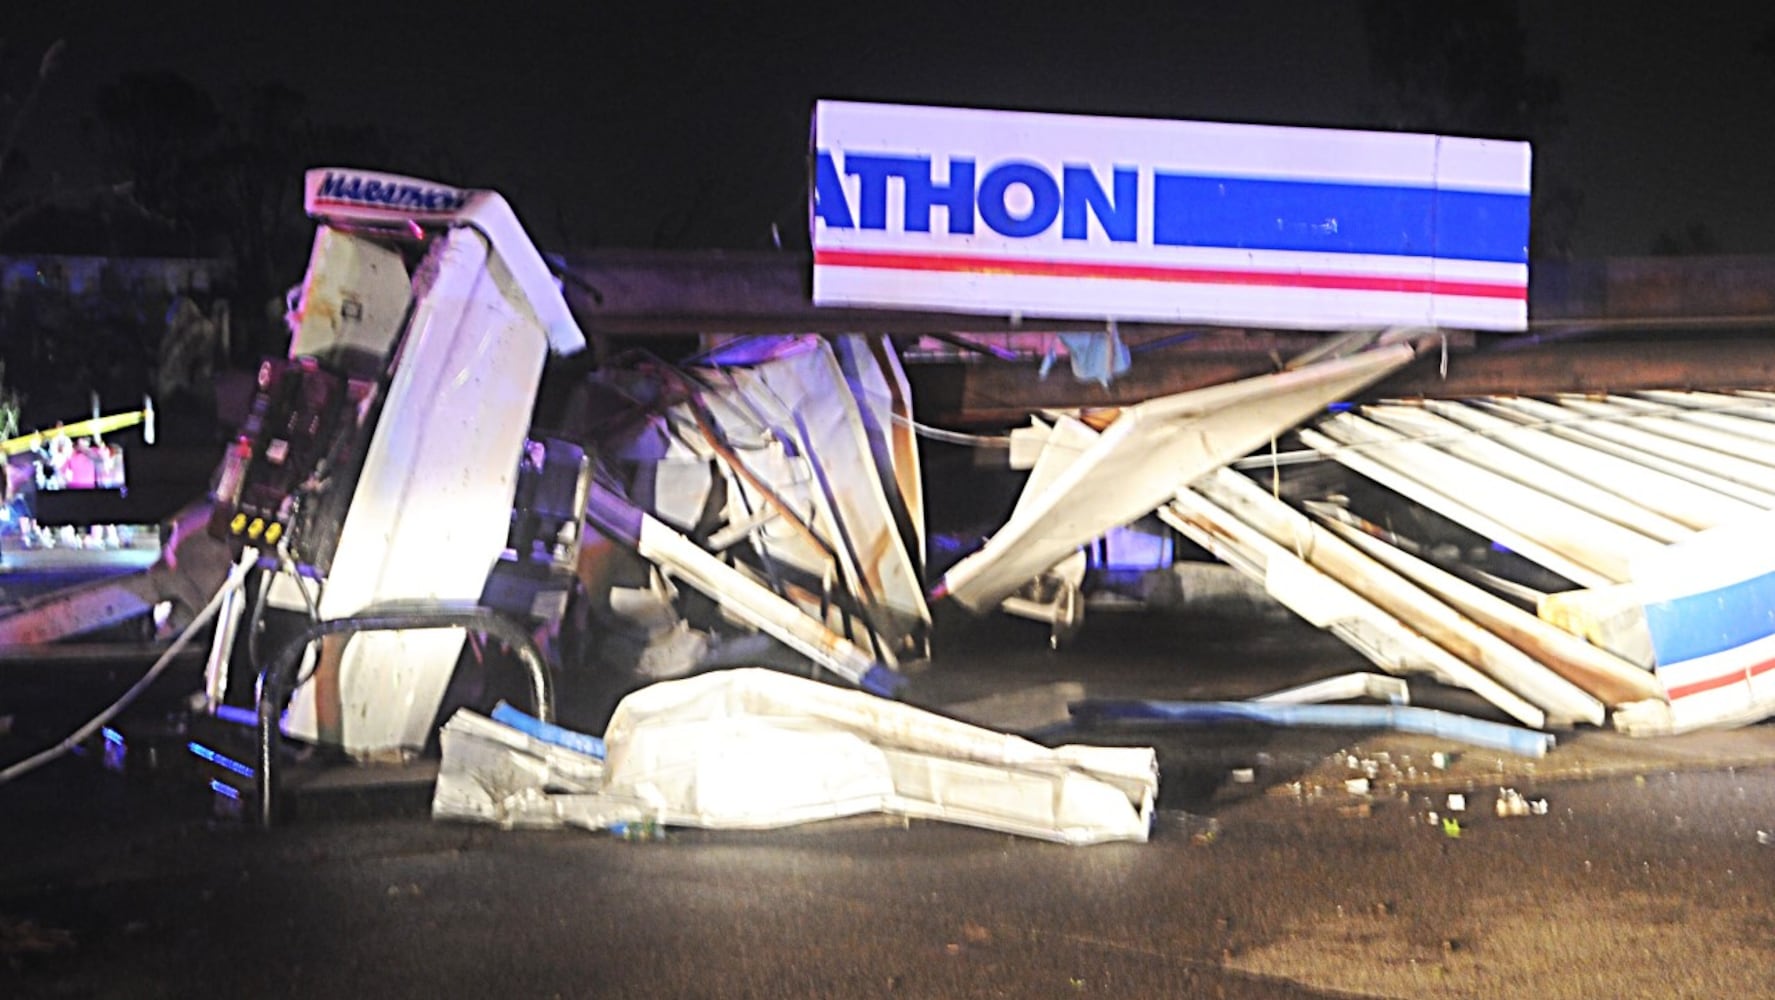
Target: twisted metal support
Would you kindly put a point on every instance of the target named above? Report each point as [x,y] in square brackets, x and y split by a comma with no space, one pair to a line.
[278,680]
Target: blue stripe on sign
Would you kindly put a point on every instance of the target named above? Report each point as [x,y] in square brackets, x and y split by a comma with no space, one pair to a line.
[1712,621]
[1250,214]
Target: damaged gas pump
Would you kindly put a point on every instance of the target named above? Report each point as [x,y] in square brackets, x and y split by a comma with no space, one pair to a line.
[381,461]
[388,495]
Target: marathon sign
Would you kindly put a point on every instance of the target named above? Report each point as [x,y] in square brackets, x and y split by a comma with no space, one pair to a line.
[1709,603]
[378,197]
[1064,216]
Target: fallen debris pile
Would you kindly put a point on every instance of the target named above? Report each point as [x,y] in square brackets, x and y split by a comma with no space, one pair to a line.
[1647,519]
[751,749]
[777,477]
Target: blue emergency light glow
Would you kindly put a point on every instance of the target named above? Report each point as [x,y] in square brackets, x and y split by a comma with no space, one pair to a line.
[112,736]
[226,791]
[220,760]
[238,716]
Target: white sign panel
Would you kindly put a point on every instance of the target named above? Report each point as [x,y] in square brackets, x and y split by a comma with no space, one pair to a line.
[1069,216]
[371,196]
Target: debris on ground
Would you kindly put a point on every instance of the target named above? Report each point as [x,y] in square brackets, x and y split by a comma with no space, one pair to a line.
[1445,725]
[752,748]
[1202,831]
[1511,802]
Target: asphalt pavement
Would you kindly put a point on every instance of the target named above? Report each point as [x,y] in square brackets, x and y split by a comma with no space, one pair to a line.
[1268,874]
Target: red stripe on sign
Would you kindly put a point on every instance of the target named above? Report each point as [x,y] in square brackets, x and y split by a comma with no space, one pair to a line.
[1724,680]
[403,209]
[1030,267]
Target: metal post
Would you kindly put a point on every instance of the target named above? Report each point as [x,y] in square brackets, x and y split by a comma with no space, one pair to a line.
[277,681]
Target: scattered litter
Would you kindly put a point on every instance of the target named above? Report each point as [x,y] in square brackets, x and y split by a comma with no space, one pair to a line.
[642,830]
[1442,761]
[1511,803]
[1451,828]
[1173,823]
[1457,802]
[1766,837]
[1357,786]
[493,772]
[1244,775]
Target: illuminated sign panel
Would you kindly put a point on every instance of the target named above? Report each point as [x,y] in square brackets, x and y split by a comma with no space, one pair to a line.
[373,196]
[1071,216]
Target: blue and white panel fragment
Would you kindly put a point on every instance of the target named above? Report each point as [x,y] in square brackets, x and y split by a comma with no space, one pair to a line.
[1710,609]
[1111,218]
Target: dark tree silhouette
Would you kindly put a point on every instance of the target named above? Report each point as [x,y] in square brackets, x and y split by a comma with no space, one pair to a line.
[162,132]
[18,111]
[16,205]
[1697,239]
[1461,67]
[255,176]
[226,181]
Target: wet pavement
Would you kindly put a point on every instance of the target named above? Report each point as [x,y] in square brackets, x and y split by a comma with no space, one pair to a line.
[1647,875]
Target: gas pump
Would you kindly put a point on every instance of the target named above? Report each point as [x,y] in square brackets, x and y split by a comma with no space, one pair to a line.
[381,458]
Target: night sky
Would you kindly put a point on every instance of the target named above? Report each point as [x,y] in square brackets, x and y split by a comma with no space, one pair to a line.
[675,125]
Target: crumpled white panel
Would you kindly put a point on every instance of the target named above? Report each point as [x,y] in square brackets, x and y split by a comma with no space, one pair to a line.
[755,749]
